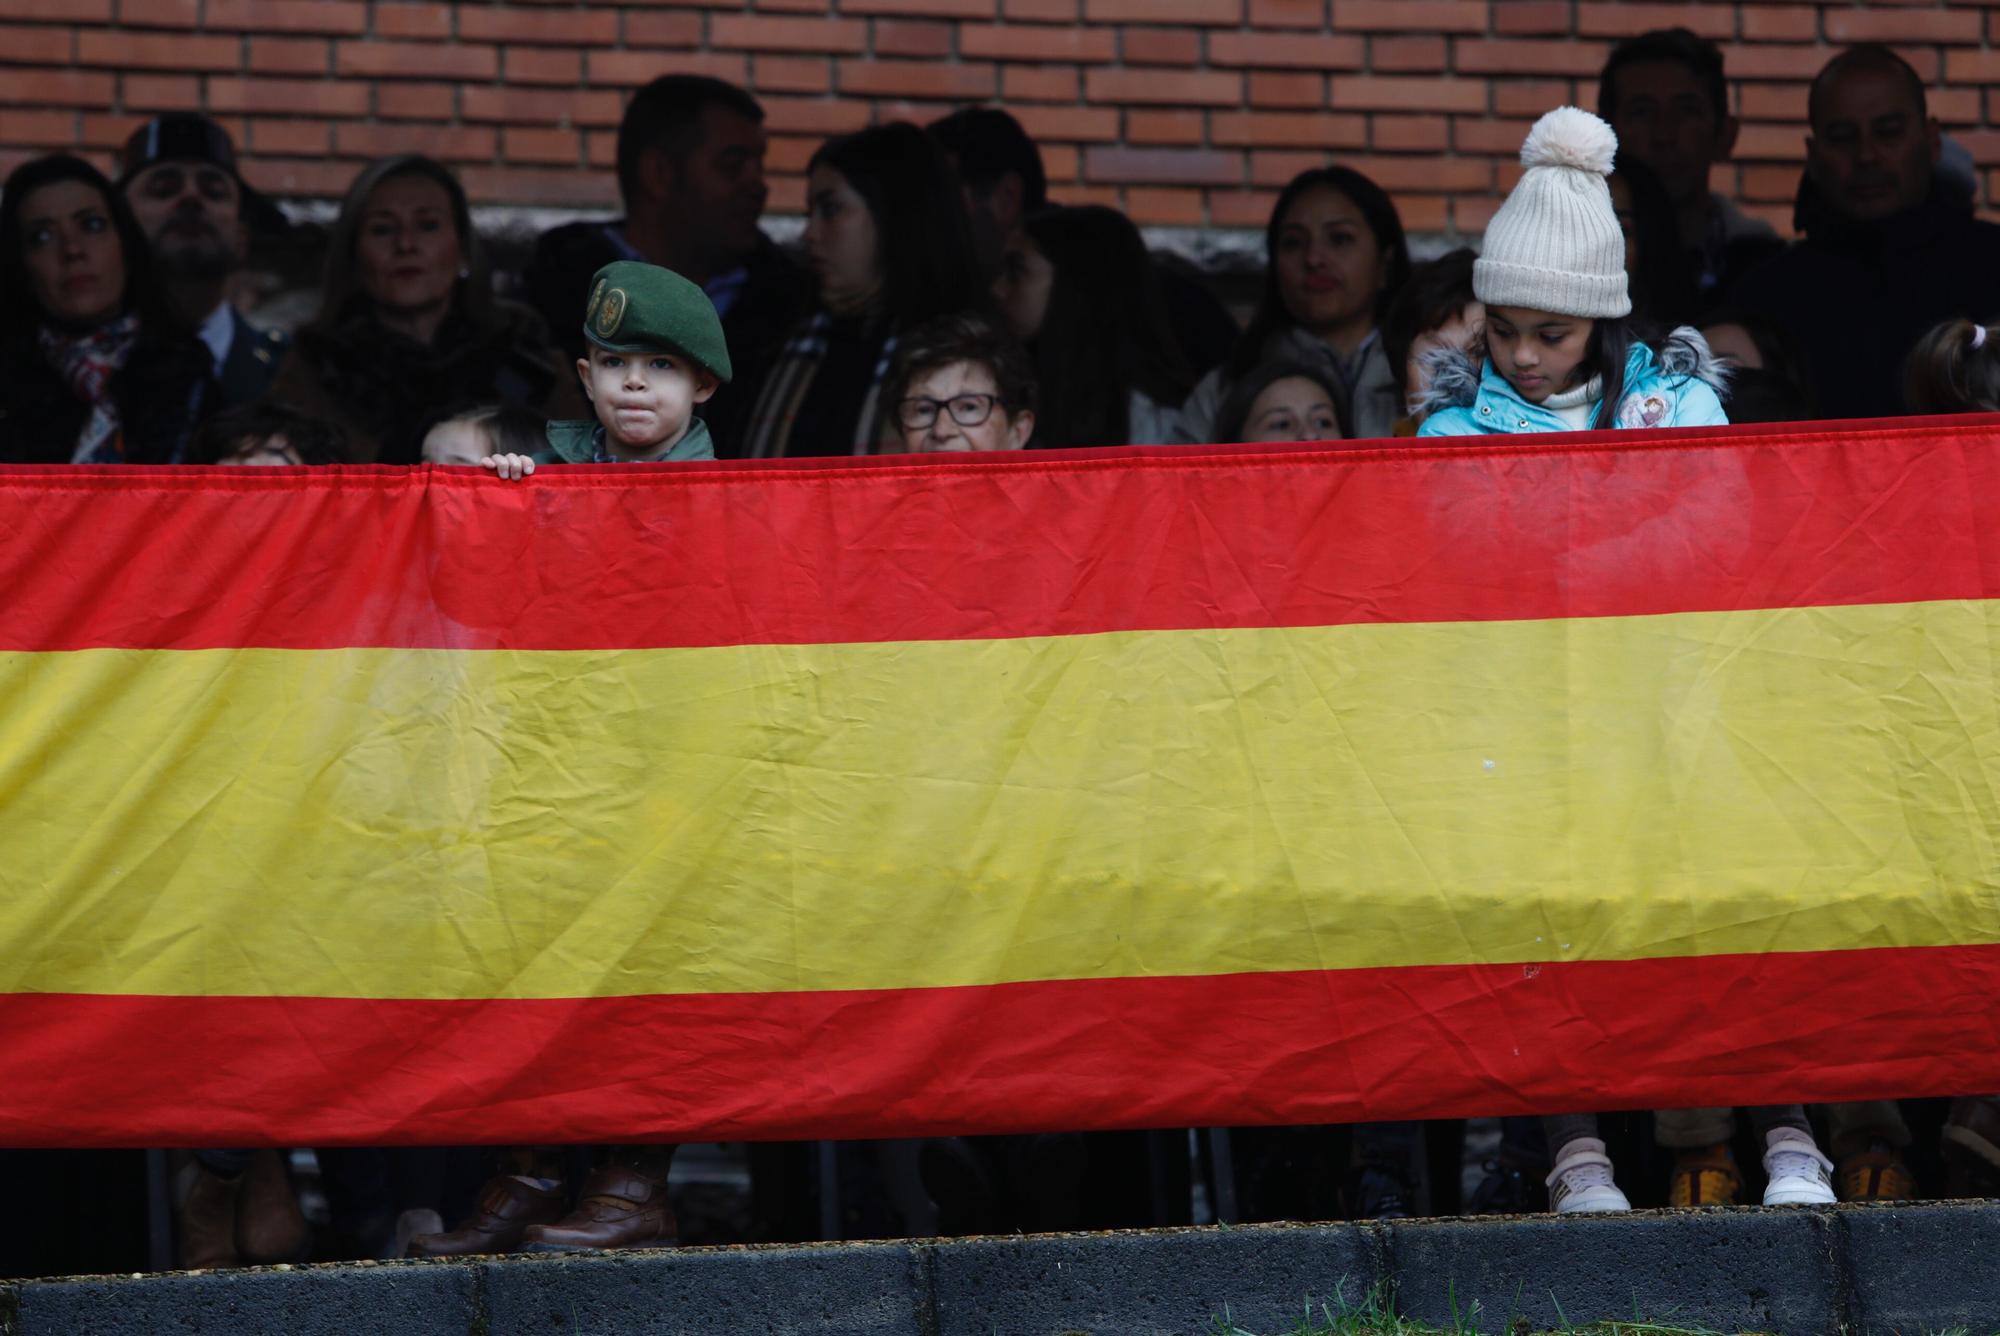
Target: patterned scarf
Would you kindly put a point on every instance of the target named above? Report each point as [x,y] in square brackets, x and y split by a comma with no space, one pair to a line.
[87,363]
[771,418]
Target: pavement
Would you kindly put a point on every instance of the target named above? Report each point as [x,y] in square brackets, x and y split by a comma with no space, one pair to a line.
[1910,1269]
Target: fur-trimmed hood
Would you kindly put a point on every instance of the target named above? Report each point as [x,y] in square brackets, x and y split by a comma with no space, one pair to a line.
[1455,373]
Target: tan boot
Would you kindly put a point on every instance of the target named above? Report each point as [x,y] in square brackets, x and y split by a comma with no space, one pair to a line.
[207,1220]
[270,1227]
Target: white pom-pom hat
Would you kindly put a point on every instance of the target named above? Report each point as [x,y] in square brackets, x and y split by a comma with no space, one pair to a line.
[1555,245]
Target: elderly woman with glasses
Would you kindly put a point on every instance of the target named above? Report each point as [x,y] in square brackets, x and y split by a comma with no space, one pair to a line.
[962,383]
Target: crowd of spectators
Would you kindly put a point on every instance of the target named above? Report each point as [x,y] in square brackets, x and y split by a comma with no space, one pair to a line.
[940,302]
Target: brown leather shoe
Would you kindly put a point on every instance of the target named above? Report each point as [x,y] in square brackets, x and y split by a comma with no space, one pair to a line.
[507,1207]
[270,1227]
[208,1220]
[621,1208]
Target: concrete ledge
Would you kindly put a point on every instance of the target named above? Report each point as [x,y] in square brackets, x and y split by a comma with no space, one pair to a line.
[1868,1269]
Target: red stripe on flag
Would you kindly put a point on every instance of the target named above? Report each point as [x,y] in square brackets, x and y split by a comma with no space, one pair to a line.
[1414,1042]
[1040,544]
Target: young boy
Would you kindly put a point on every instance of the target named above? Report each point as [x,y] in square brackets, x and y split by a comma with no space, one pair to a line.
[656,350]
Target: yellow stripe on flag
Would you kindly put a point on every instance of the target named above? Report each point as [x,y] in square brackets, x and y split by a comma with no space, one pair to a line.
[451,824]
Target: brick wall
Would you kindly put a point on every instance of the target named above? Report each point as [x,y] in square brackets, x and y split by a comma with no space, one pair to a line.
[1185,112]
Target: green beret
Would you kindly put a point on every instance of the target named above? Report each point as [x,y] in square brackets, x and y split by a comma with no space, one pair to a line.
[642,308]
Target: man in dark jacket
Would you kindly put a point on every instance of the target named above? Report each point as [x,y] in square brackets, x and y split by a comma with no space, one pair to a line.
[691,174]
[1889,252]
[178,172]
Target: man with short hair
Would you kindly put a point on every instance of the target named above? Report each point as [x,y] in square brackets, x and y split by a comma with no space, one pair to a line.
[1000,169]
[178,172]
[1665,95]
[1890,248]
[691,175]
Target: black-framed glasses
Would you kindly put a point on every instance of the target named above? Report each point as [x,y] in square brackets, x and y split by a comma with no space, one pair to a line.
[967,410]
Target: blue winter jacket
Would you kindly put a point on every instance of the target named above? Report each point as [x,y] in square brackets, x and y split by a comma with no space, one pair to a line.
[1680,386]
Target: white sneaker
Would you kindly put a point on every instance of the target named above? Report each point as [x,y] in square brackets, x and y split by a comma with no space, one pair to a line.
[1795,1173]
[1581,1182]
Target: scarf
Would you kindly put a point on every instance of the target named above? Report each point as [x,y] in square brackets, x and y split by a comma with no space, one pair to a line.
[769,428]
[87,363]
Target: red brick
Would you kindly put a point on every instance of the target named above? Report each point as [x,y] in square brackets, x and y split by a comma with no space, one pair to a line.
[339,18]
[1862,25]
[1468,213]
[540,145]
[507,23]
[1781,143]
[1216,13]
[600,149]
[1156,207]
[527,64]
[916,78]
[544,185]
[100,130]
[1043,11]
[1274,50]
[1427,172]
[1772,102]
[1287,90]
[757,32]
[1531,17]
[1368,93]
[1061,162]
[1407,134]
[450,143]
[302,97]
[1403,16]
[791,153]
[318,177]
[1213,88]
[539,106]
[1111,197]
[289,55]
[1325,130]
[421,22]
[633,69]
[791,74]
[1972,66]
[1482,135]
[422,60]
[1163,166]
[1086,124]
[1406,55]
[1038,83]
[1530,97]
[57,89]
[1774,62]
[656,28]
[1778,23]
[414,101]
[60,11]
[42,129]
[1164,127]
[813,115]
[910,37]
[159,13]
[1479,55]
[125,50]
[1241,208]
[1623,20]
[1278,167]
[947,9]
[1768,183]
[304,138]
[1019,41]
[1424,213]
[1287,14]
[160,92]
[1955,106]
[1162,46]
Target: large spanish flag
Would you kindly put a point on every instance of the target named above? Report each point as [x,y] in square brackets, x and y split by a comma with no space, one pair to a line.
[1143,787]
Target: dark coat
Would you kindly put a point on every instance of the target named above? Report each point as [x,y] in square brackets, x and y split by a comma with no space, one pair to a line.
[254,358]
[1855,298]
[384,388]
[772,299]
[163,391]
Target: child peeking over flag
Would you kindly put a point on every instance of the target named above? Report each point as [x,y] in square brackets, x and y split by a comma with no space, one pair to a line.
[655,351]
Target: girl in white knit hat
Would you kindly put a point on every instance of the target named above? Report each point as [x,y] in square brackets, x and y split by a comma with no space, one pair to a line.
[1561,350]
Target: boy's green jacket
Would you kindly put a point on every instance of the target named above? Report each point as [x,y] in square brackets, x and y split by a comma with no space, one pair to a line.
[575,441]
